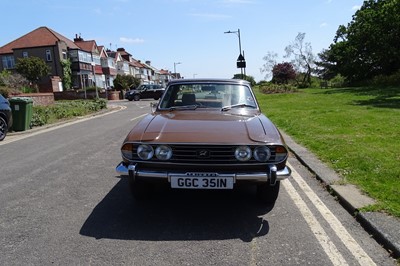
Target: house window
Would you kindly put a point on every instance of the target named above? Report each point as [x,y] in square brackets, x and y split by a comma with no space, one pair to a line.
[48,55]
[24,54]
[64,54]
[8,62]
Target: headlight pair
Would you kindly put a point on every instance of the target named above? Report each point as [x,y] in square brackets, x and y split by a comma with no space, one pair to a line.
[146,152]
[260,153]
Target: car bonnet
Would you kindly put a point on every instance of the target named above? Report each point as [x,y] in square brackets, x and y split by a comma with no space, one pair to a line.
[205,127]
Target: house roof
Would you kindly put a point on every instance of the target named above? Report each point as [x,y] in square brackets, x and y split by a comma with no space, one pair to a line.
[102,51]
[88,46]
[164,72]
[137,64]
[39,37]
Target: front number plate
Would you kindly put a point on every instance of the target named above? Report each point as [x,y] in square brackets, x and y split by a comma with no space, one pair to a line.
[200,182]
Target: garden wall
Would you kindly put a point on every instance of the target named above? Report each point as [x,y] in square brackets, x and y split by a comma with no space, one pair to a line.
[38,98]
[74,95]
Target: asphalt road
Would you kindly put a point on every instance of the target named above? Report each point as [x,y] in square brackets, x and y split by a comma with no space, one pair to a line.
[62,203]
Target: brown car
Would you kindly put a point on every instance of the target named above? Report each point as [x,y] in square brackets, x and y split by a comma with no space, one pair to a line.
[205,134]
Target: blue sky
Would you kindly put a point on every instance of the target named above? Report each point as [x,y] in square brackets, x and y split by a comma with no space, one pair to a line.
[187,31]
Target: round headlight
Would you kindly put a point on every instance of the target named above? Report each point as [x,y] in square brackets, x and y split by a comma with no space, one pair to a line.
[243,153]
[145,152]
[262,153]
[163,152]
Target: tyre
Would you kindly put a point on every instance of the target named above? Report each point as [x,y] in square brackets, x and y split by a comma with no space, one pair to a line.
[136,97]
[140,190]
[267,193]
[3,128]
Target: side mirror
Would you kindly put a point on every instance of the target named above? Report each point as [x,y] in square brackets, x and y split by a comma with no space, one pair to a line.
[153,107]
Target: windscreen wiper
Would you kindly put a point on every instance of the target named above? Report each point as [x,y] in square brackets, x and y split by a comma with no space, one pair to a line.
[229,107]
[184,107]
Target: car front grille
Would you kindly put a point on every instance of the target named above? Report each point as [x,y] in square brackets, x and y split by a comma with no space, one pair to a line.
[206,154]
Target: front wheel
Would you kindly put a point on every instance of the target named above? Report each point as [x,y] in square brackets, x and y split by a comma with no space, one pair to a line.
[267,193]
[136,97]
[3,128]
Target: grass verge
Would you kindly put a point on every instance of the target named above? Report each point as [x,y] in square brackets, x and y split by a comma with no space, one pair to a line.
[354,130]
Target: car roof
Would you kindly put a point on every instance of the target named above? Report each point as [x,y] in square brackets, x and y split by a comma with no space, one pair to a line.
[208,80]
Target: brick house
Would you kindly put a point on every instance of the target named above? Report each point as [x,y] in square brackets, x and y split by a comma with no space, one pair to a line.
[87,65]
[44,43]
[91,65]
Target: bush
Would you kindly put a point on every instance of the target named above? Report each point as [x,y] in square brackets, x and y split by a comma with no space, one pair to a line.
[338,81]
[40,116]
[61,110]
[386,81]
[277,88]
[5,91]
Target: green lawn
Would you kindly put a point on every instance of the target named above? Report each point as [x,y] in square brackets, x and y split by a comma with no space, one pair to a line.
[354,130]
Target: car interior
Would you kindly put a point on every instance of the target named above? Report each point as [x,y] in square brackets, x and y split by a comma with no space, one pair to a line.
[207,96]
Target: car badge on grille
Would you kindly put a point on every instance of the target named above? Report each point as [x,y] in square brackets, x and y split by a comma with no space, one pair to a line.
[203,154]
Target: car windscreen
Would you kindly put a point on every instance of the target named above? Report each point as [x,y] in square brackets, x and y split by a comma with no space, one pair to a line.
[208,95]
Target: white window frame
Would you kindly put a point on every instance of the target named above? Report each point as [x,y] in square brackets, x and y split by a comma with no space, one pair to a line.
[48,56]
[8,61]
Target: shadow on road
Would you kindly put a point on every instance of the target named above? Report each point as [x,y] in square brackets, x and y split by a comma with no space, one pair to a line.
[178,215]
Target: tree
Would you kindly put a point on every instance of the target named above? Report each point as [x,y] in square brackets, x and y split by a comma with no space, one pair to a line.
[283,72]
[245,77]
[124,82]
[369,45]
[32,68]
[67,74]
[270,62]
[304,59]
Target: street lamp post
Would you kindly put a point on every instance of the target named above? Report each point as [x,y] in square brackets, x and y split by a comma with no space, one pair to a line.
[241,62]
[94,78]
[175,68]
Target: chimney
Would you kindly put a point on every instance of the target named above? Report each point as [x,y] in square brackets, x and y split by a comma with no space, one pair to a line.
[78,39]
[148,62]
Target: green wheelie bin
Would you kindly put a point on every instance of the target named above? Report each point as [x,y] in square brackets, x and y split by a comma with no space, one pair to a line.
[22,112]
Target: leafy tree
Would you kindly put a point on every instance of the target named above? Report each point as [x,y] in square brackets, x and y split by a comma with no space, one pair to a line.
[124,82]
[304,59]
[245,77]
[283,72]
[67,74]
[368,46]
[32,68]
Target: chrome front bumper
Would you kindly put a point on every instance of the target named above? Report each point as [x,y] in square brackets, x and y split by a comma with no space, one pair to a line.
[271,175]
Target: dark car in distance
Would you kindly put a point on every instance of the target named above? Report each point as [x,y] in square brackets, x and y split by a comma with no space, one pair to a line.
[145,91]
[5,117]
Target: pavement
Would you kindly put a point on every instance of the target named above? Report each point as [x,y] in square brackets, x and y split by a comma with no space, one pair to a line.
[384,228]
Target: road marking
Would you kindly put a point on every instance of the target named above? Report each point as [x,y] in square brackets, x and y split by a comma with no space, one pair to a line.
[360,255]
[327,245]
[138,117]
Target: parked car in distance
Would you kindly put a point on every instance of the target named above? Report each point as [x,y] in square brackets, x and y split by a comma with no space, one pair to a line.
[145,91]
[205,134]
[5,117]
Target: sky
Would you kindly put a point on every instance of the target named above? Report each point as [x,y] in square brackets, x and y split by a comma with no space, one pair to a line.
[187,35]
